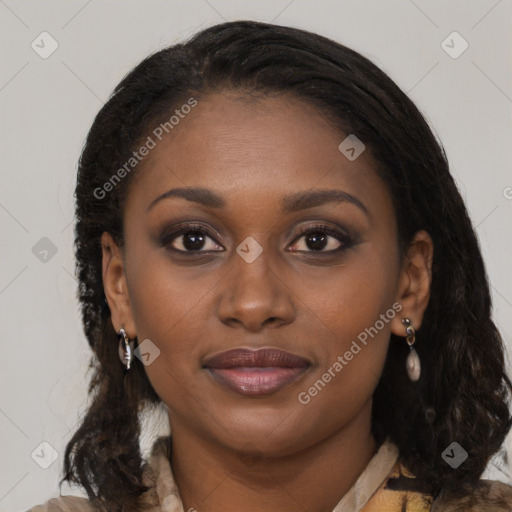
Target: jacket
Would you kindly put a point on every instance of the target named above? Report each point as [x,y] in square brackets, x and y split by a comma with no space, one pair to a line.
[369,494]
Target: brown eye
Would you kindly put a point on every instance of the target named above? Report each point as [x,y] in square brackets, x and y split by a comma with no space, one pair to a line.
[323,239]
[190,238]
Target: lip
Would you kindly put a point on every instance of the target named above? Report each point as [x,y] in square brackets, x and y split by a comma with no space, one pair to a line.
[256,372]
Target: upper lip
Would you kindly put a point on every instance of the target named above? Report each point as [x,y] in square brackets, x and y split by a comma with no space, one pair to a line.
[263,358]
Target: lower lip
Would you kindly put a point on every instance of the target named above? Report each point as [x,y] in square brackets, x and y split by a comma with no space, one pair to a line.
[256,381]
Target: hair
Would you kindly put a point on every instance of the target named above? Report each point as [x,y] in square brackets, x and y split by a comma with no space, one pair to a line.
[463,393]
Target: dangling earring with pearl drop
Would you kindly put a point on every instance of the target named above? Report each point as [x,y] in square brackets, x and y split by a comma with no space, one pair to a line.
[413,364]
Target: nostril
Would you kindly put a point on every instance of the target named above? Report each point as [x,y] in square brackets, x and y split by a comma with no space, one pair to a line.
[272,320]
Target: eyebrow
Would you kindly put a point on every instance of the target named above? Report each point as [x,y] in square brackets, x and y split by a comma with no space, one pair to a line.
[289,204]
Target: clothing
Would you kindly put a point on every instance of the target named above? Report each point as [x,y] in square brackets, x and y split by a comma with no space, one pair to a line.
[368,494]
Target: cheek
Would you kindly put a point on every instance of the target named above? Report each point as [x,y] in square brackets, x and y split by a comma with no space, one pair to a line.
[168,318]
[348,299]
[171,306]
[164,296]
[350,365]
[166,303]
[354,309]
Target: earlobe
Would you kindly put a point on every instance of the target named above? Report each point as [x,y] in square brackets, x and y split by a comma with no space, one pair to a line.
[413,291]
[115,286]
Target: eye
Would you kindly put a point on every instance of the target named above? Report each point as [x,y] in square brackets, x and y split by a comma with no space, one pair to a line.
[190,238]
[194,238]
[322,238]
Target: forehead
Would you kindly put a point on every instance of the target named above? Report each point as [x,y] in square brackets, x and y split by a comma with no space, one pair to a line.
[254,151]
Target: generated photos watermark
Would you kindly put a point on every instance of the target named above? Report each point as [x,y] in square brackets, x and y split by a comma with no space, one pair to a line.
[305,397]
[151,142]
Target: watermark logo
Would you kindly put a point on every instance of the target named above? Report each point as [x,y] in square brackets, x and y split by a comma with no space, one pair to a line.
[144,149]
[249,249]
[454,45]
[44,250]
[351,147]
[304,397]
[147,352]
[44,45]
[44,455]
[175,119]
[454,455]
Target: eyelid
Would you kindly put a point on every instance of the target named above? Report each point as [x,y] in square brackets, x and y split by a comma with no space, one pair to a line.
[322,226]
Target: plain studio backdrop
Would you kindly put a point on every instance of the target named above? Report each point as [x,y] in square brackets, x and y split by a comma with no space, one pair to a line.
[60,61]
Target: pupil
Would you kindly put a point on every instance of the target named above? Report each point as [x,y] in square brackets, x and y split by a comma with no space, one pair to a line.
[318,241]
[193,241]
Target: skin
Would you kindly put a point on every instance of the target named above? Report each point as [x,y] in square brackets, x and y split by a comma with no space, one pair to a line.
[234,452]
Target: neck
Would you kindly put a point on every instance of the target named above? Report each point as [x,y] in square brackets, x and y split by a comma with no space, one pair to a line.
[212,477]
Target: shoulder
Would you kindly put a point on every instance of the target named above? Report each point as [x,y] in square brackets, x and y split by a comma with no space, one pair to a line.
[402,491]
[65,504]
[484,496]
[157,476]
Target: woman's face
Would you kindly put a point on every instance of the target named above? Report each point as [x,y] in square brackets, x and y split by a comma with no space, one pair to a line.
[253,280]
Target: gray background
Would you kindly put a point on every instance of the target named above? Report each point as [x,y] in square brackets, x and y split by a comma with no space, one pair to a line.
[47,106]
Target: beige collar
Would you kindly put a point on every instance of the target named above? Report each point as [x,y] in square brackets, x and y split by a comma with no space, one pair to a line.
[369,481]
[164,495]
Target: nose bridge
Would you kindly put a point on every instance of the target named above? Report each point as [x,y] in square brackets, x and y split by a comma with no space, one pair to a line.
[253,293]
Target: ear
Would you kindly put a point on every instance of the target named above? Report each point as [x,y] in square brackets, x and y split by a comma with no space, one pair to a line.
[413,292]
[115,287]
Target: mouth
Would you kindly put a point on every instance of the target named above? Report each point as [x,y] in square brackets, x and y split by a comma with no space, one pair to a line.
[256,372]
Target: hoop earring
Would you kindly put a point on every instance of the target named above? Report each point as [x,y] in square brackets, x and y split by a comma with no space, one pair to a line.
[125,349]
[412,364]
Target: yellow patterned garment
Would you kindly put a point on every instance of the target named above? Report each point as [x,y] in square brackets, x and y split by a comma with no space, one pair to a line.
[368,494]
[387,500]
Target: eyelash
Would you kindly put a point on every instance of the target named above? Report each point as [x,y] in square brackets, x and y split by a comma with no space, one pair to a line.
[344,238]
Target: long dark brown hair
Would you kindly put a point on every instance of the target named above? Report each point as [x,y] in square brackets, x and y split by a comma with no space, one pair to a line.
[463,392]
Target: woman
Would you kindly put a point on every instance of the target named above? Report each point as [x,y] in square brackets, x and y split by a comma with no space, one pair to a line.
[266,222]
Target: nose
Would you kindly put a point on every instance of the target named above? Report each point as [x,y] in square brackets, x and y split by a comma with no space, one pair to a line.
[254,296]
